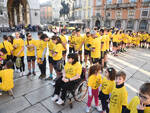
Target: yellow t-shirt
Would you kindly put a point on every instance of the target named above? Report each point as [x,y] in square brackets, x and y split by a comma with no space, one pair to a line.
[7,79]
[98,35]
[94,81]
[58,48]
[96,44]
[132,106]
[148,40]
[31,48]
[72,70]
[107,86]
[115,38]
[19,43]
[51,46]
[87,42]
[71,39]
[145,36]
[78,42]
[104,41]
[119,97]
[8,46]
[64,40]
[40,46]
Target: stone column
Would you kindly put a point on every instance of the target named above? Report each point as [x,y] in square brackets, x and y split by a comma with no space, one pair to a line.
[136,25]
[20,13]
[15,16]
[124,24]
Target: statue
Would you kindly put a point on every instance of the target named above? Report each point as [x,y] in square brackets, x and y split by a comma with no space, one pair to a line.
[64,11]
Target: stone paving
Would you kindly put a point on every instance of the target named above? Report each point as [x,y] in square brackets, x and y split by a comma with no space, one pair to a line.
[32,95]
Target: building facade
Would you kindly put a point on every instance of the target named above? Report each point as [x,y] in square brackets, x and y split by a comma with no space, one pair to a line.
[16,12]
[46,13]
[123,14]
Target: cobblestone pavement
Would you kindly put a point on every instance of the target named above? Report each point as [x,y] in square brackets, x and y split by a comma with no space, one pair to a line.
[32,95]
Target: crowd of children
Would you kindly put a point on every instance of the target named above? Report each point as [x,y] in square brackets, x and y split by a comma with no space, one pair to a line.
[94,45]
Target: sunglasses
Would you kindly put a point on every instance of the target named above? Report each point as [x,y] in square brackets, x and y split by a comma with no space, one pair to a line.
[142,96]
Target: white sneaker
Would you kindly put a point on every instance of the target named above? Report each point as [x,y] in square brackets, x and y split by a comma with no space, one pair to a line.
[87,110]
[21,74]
[60,101]
[54,98]
[98,108]
[0,93]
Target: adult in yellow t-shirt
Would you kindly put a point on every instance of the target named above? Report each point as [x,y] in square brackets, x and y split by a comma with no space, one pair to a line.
[51,46]
[64,43]
[18,51]
[148,41]
[79,40]
[8,46]
[30,44]
[71,41]
[95,48]
[57,55]
[69,79]
[87,44]
[41,46]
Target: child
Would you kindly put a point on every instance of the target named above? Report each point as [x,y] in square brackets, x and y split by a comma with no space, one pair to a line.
[108,84]
[94,82]
[119,95]
[6,76]
[140,103]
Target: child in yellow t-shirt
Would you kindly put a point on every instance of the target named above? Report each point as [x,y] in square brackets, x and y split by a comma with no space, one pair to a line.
[108,83]
[94,83]
[141,103]
[119,95]
[6,76]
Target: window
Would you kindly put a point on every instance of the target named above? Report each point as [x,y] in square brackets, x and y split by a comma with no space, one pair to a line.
[145,13]
[107,14]
[143,25]
[1,12]
[89,2]
[130,24]
[131,13]
[119,1]
[146,0]
[109,1]
[132,0]
[98,2]
[118,14]
[89,13]
[107,23]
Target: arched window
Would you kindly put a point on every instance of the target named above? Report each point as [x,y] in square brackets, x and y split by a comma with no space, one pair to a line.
[130,24]
[143,25]
[118,24]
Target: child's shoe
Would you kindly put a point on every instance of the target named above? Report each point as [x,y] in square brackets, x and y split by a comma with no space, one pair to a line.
[54,98]
[98,108]
[87,110]
[60,101]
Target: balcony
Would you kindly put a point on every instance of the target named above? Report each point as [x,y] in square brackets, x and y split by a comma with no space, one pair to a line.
[78,6]
[120,5]
[145,4]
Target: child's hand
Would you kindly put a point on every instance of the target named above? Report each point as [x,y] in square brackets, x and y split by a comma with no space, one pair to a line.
[141,106]
[108,100]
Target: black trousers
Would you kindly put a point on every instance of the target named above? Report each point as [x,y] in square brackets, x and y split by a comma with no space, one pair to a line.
[42,67]
[63,87]
[104,102]
[71,50]
[22,68]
